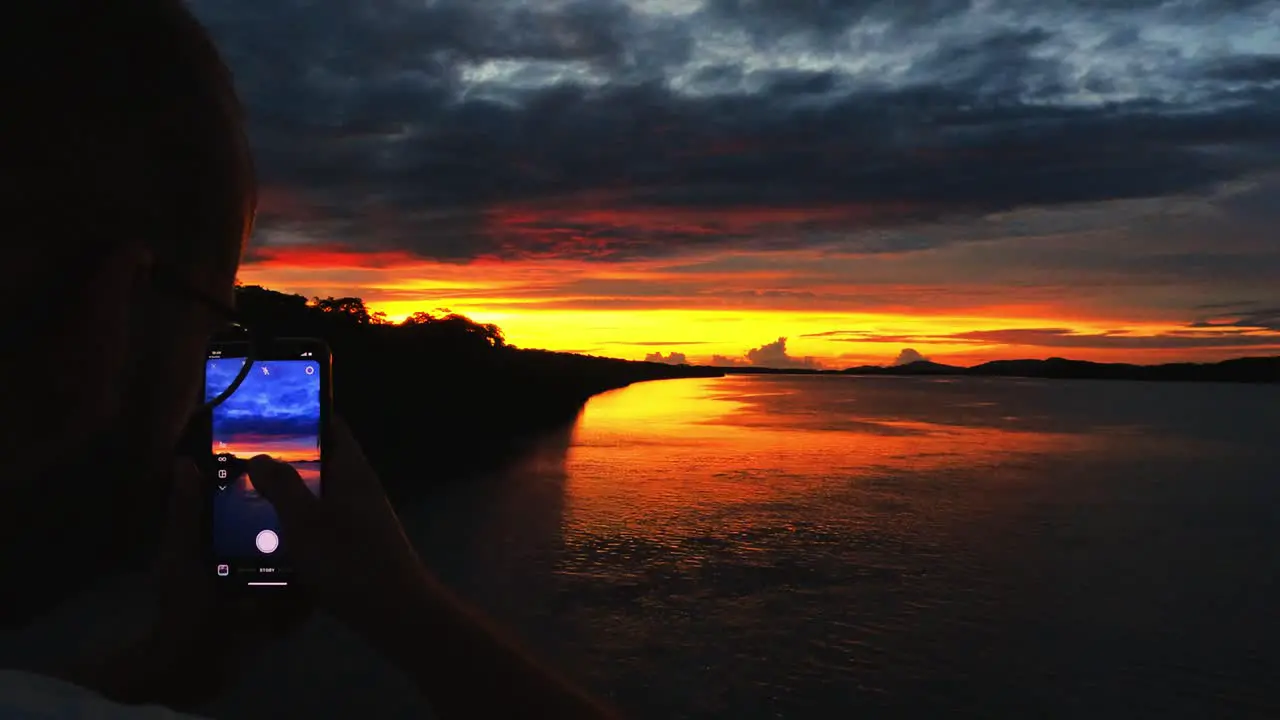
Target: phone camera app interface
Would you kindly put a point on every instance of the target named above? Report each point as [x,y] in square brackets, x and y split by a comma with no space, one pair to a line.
[275,412]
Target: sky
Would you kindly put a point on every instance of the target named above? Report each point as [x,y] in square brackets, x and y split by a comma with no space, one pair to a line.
[794,183]
[275,413]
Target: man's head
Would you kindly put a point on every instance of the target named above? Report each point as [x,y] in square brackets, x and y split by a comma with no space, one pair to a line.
[122,160]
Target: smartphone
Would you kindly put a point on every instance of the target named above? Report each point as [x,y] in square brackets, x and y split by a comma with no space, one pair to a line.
[281,409]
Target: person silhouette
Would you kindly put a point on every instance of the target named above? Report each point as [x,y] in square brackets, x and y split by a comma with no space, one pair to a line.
[129,194]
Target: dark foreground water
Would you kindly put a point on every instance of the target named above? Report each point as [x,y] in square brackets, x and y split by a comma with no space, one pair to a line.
[811,547]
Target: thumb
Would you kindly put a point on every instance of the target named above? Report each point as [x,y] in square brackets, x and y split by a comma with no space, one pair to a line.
[281,485]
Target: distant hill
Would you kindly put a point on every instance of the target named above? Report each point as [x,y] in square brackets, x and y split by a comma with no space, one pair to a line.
[1248,370]
[922,367]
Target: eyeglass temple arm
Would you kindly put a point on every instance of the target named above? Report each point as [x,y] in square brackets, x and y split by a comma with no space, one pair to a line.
[235,385]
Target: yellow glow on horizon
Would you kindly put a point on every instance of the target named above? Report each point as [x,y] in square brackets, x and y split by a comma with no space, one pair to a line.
[633,333]
[632,309]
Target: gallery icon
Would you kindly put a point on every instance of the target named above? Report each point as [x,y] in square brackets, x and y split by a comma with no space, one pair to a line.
[224,570]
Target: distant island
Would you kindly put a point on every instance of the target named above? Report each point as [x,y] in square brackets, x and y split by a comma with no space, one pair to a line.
[1240,370]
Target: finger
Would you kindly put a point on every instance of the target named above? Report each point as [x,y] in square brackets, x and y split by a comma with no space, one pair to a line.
[281,485]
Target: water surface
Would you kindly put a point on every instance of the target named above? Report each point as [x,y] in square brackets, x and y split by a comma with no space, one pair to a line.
[813,547]
[763,547]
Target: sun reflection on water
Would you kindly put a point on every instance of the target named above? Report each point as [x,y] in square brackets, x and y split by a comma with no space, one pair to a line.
[759,547]
[662,450]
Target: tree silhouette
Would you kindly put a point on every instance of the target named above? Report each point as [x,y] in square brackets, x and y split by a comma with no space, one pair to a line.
[439,395]
[352,308]
[419,318]
[459,328]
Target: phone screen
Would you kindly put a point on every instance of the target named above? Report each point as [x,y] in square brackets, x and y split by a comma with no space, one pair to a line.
[279,411]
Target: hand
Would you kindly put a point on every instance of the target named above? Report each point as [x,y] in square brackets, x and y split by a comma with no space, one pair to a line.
[347,546]
[351,553]
[192,619]
[198,640]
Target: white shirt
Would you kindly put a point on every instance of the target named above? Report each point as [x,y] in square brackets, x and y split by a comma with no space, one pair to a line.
[25,696]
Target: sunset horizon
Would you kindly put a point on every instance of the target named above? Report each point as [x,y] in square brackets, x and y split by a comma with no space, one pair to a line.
[649,359]
[290,450]
[974,181]
[747,332]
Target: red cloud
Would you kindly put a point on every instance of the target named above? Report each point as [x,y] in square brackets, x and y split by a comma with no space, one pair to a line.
[328,256]
[586,227]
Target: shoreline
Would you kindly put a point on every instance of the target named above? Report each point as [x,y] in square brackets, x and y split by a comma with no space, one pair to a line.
[1239,370]
[425,433]
[541,392]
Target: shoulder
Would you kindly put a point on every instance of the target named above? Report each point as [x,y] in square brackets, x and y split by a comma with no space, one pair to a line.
[26,696]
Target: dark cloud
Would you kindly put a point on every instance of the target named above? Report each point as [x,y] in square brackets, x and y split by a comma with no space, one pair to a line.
[259,427]
[1245,330]
[1001,65]
[797,82]
[1234,305]
[1254,319]
[393,35]
[1063,338]
[674,358]
[1238,267]
[434,128]
[1250,68]
[769,20]
[1066,338]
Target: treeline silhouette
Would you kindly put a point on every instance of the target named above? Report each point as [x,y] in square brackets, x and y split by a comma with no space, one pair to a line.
[438,396]
[1237,370]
